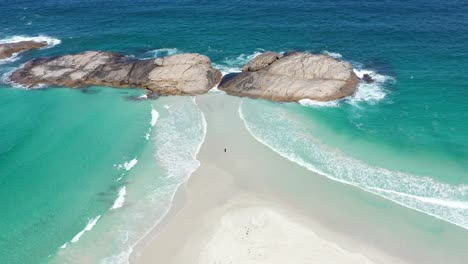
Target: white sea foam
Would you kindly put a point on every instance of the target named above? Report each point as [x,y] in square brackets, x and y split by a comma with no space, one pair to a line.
[120,177]
[91,223]
[319,104]
[166,106]
[235,64]
[425,194]
[332,54]
[154,117]
[120,198]
[370,93]
[41,38]
[128,165]
[177,153]
[158,53]
[14,57]
[51,42]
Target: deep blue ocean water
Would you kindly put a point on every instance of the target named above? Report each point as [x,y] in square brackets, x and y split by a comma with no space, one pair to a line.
[404,137]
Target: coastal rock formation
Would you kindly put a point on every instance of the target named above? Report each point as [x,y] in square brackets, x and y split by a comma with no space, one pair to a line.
[292,77]
[181,74]
[8,49]
[367,78]
[261,61]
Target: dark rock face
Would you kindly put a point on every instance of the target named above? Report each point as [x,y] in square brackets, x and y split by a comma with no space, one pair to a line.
[293,77]
[8,49]
[367,78]
[181,74]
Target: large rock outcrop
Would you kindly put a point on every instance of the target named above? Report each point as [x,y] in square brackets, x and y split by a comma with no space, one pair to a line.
[181,74]
[8,49]
[292,77]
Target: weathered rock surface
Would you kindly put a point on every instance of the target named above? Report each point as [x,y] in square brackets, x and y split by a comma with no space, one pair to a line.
[293,77]
[261,61]
[8,49]
[180,74]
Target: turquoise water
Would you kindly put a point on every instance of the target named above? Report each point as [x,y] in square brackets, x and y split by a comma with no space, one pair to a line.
[66,156]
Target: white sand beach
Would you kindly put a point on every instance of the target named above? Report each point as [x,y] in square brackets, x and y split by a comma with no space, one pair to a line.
[261,235]
[223,214]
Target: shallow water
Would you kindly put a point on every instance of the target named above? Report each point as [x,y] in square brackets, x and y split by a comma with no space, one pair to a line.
[69,156]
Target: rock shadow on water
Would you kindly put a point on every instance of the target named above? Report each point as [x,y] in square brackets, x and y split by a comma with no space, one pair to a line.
[89,91]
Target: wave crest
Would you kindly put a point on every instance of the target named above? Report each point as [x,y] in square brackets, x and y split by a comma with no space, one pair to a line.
[91,223]
[164,52]
[120,198]
[425,194]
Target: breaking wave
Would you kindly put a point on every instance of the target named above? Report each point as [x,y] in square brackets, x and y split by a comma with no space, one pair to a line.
[51,42]
[319,104]
[120,198]
[235,64]
[291,139]
[164,52]
[154,117]
[366,93]
[332,54]
[370,93]
[127,165]
[89,226]
[181,132]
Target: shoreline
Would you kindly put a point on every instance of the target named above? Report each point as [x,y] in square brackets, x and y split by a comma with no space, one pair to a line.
[205,199]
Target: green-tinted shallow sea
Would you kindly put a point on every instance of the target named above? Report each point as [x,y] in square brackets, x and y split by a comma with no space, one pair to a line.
[80,165]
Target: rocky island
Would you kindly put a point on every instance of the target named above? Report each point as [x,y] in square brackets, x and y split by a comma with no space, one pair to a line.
[292,77]
[180,74]
[7,50]
[279,77]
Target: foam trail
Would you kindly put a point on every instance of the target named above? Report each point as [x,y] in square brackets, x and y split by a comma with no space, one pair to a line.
[120,198]
[172,155]
[424,194]
[91,223]
[181,133]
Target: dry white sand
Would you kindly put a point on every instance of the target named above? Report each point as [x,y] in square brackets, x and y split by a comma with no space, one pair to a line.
[259,235]
[226,212]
